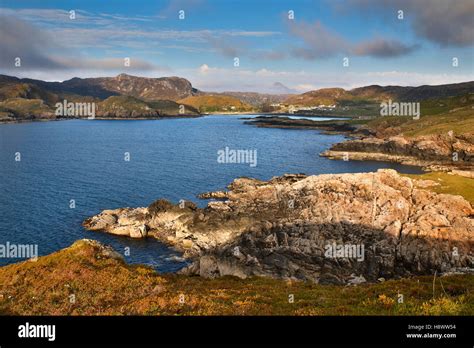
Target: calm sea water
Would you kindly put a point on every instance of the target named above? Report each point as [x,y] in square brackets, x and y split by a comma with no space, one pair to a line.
[83,160]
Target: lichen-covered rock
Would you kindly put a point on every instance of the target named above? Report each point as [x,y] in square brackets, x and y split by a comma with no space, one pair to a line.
[333,228]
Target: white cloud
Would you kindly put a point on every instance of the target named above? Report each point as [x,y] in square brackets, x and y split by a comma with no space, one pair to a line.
[204,68]
[305,87]
[263,80]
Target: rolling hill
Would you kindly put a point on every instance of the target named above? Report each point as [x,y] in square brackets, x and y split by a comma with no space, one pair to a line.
[376,94]
[216,103]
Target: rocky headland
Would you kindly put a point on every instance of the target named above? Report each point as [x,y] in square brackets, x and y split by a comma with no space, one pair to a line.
[285,122]
[328,229]
[432,152]
[441,142]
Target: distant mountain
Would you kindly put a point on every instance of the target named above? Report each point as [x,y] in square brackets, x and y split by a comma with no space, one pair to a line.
[168,88]
[126,96]
[375,93]
[120,96]
[414,93]
[12,87]
[325,96]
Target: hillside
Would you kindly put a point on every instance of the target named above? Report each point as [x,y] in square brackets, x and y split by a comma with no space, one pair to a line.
[375,94]
[438,117]
[28,99]
[123,96]
[216,103]
[257,99]
[325,96]
[130,107]
[95,274]
[25,109]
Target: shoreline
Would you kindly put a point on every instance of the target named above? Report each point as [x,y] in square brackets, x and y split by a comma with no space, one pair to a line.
[168,117]
[364,145]
[143,231]
[100,119]
[233,236]
[247,238]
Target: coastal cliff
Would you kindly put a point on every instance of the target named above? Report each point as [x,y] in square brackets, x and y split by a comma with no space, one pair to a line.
[284,228]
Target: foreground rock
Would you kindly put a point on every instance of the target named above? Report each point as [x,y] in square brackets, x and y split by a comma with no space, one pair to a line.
[329,228]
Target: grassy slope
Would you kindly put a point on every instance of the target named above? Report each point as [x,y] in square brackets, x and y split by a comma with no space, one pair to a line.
[448,183]
[110,287]
[142,108]
[171,108]
[26,108]
[215,103]
[460,122]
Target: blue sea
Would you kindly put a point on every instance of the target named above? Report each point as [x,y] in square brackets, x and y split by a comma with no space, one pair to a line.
[85,162]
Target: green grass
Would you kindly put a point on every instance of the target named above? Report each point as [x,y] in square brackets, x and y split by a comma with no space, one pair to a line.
[444,105]
[448,183]
[459,122]
[26,107]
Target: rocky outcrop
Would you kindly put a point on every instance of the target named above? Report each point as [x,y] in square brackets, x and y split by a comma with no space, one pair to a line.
[433,152]
[328,228]
[289,123]
[214,195]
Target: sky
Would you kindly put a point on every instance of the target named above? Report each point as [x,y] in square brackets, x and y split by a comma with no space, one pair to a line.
[272,46]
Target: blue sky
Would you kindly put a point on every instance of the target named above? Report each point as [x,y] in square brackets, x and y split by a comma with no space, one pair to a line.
[274,50]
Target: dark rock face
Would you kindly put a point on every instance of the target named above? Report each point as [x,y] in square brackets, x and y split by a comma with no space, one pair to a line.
[300,251]
[285,122]
[169,88]
[345,228]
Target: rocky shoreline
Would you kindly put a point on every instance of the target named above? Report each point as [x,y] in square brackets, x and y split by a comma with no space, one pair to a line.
[432,153]
[286,227]
[447,152]
[340,127]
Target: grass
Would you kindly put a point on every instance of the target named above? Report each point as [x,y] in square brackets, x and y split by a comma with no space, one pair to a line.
[216,103]
[105,286]
[460,122]
[448,183]
[444,105]
[26,107]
